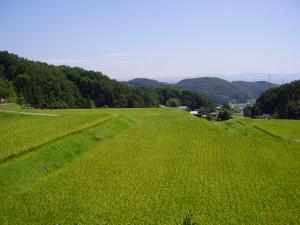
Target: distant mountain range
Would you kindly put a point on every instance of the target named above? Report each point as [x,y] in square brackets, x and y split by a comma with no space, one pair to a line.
[277,78]
[217,89]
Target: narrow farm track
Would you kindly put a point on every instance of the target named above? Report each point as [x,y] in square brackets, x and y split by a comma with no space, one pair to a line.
[28,113]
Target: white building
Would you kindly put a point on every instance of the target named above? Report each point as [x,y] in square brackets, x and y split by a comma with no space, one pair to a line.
[184,107]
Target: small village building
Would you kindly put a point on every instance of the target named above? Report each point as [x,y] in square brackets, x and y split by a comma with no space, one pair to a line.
[184,107]
[2,101]
[237,109]
[194,112]
[266,116]
[214,115]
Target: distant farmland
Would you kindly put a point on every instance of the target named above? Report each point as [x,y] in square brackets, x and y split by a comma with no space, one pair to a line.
[147,166]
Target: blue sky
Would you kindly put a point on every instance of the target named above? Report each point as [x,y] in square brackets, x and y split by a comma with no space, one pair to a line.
[161,39]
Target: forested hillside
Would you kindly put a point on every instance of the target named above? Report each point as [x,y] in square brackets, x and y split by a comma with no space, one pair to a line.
[185,97]
[219,90]
[222,91]
[47,86]
[282,102]
[253,89]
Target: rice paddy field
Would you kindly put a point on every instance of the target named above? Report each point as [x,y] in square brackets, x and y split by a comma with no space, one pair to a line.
[147,166]
[23,132]
[287,130]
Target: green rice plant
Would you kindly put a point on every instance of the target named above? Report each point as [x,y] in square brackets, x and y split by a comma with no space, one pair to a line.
[21,133]
[285,129]
[24,171]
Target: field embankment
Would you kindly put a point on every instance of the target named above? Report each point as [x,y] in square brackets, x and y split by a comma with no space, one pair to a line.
[21,133]
[24,171]
[286,130]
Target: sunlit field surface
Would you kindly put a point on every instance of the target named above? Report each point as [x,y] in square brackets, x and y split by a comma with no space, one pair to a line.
[288,130]
[150,166]
[22,132]
[285,129]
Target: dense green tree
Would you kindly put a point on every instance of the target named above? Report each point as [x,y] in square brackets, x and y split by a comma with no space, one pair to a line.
[247,111]
[189,98]
[281,102]
[172,102]
[24,86]
[204,111]
[227,106]
[6,89]
[224,115]
[2,72]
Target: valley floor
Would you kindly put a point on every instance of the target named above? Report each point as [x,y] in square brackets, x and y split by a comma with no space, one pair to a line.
[147,166]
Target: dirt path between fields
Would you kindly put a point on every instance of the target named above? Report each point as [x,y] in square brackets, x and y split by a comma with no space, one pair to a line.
[28,113]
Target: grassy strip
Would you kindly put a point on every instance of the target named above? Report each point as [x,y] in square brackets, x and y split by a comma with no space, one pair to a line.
[240,126]
[267,132]
[26,170]
[34,147]
[239,122]
[285,129]
[260,129]
[28,113]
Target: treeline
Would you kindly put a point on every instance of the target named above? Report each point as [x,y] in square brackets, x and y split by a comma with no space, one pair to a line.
[47,86]
[173,96]
[281,102]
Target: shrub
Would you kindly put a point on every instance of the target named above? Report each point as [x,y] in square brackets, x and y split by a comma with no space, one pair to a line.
[172,102]
[188,220]
[224,115]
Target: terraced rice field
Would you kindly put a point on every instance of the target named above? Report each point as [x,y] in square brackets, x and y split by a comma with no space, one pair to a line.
[153,166]
[285,129]
[22,132]
[288,130]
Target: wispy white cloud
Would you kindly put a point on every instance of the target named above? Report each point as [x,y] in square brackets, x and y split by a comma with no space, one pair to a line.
[110,57]
[119,54]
